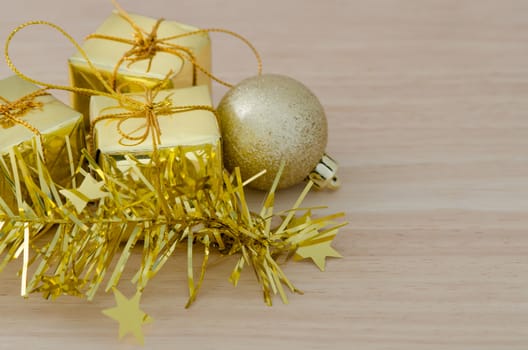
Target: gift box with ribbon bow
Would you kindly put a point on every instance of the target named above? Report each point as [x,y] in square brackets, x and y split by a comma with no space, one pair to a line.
[127,49]
[30,115]
[136,125]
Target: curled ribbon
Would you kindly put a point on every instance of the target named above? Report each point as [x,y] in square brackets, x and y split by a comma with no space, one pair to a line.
[11,112]
[146,45]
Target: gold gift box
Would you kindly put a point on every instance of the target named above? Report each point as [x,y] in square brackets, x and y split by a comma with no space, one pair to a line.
[190,140]
[105,55]
[57,123]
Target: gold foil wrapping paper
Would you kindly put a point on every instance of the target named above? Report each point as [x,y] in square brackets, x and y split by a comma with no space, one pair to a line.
[56,122]
[190,140]
[106,54]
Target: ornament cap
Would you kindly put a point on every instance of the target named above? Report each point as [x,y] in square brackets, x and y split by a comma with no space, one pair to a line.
[324,174]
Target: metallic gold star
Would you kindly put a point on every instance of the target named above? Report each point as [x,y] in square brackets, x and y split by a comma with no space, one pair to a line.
[89,190]
[318,253]
[130,317]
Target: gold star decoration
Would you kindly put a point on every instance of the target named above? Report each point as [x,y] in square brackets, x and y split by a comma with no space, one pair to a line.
[89,190]
[317,245]
[130,317]
[318,253]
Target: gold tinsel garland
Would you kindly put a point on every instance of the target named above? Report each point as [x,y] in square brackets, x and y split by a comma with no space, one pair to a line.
[157,204]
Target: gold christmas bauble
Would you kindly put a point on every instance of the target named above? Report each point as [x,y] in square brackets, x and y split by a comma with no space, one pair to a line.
[268,119]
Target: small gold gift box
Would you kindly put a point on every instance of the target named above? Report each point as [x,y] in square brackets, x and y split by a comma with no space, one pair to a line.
[189,138]
[29,115]
[128,49]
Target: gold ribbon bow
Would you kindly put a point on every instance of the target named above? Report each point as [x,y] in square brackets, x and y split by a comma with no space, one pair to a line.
[146,45]
[149,111]
[11,112]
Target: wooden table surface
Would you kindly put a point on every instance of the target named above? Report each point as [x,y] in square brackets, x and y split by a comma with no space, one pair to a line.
[427,106]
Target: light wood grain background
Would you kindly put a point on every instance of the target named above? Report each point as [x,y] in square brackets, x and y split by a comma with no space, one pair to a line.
[427,107]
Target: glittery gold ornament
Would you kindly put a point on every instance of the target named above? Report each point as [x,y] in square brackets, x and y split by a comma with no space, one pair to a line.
[269,119]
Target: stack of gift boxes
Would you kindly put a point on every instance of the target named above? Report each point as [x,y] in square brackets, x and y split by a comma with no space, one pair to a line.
[126,53]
